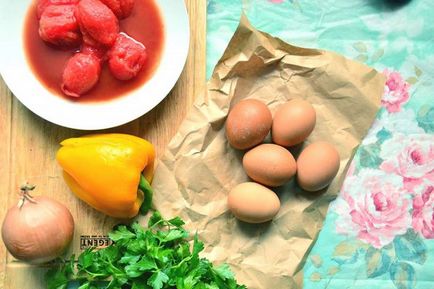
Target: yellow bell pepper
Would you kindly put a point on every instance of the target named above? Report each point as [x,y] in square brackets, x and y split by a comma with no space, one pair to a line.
[105,171]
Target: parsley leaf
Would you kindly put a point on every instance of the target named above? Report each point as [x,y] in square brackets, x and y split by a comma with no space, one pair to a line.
[85,260]
[137,269]
[224,272]
[177,222]
[129,259]
[160,256]
[122,233]
[139,285]
[197,245]
[57,279]
[158,279]
[155,219]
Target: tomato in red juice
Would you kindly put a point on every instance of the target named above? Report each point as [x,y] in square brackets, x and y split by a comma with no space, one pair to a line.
[145,25]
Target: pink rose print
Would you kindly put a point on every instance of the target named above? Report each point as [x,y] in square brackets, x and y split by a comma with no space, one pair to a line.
[276,1]
[423,210]
[396,91]
[375,207]
[411,157]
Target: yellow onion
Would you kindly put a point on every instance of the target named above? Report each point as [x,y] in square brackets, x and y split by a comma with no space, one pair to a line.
[38,229]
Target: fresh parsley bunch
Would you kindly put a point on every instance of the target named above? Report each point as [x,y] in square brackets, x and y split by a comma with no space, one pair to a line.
[158,257]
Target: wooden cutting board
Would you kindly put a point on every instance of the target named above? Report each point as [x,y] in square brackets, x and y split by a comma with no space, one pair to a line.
[29,143]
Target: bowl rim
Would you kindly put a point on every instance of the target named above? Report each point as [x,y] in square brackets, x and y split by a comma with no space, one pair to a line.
[92,115]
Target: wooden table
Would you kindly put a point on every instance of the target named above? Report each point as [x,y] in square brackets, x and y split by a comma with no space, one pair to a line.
[29,143]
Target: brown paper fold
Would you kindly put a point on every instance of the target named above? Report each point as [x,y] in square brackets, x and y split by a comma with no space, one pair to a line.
[199,168]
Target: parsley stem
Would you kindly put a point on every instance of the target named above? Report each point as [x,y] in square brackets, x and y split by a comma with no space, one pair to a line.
[157,224]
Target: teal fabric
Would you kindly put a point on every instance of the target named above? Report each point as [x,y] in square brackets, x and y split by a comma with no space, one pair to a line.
[379,233]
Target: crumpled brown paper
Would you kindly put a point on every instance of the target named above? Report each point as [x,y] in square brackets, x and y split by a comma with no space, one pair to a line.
[199,168]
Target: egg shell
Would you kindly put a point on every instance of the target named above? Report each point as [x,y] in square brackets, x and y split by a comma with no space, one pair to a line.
[248,123]
[293,122]
[253,203]
[317,166]
[269,164]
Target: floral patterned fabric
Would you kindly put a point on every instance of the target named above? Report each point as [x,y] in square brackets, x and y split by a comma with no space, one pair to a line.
[379,232]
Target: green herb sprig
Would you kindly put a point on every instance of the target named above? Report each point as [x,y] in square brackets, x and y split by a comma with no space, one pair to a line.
[158,257]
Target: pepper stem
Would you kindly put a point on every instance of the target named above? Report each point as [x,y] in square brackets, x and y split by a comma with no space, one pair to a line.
[146,188]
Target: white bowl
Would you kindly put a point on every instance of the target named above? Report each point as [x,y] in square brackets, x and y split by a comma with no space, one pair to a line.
[99,115]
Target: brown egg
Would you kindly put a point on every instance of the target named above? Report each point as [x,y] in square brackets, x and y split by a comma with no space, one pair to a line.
[253,203]
[269,164]
[317,165]
[248,123]
[293,122]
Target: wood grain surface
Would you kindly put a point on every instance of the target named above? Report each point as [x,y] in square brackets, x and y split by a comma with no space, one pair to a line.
[29,143]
